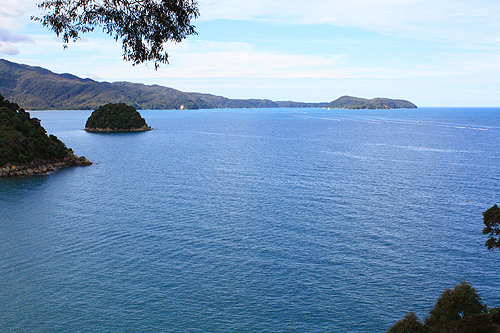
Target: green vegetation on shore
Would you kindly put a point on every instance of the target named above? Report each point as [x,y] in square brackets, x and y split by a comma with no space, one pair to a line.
[24,144]
[23,139]
[114,117]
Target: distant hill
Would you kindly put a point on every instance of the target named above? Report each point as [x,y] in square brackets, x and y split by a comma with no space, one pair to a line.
[216,102]
[290,104]
[40,89]
[349,102]
[37,88]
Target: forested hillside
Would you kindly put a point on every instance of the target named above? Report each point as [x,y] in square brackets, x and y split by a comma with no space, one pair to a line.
[40,89]
[25,147]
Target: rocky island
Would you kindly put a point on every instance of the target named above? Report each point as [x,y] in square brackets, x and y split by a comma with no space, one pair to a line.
[116,117]
[25,147]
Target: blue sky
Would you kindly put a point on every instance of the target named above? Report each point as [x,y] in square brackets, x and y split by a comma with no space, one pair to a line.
[433,53]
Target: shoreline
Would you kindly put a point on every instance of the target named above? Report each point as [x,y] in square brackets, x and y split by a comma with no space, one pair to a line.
[41,167]
[144,128]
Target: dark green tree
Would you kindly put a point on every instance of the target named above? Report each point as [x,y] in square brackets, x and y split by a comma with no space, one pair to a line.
[477,323]
[23,139]
[494,314]
[409,324]
[8,104]
[491,219]
[115,116]
[453,306]
[142,25]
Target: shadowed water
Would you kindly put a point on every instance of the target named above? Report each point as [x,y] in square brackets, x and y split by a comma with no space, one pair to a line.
[266,220]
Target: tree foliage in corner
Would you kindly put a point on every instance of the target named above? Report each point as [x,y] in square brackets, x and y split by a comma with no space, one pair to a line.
[491,218]
[453,306]
[142,25]
[458,310]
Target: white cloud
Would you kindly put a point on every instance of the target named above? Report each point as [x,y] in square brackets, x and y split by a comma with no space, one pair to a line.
[7,39]
[7,36]
[424,19]
[79,58]
[8,49]
[476,63]
[209,59]
[14,14]
[15,8]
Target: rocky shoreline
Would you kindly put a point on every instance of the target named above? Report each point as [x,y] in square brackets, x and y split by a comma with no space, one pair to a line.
[40,167]
[144,128]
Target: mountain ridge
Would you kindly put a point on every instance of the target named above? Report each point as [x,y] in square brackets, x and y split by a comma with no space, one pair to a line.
[37,88]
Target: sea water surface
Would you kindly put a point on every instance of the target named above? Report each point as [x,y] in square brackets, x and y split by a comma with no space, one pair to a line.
[265,220]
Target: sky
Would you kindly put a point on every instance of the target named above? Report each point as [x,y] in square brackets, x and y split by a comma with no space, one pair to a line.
[433,53]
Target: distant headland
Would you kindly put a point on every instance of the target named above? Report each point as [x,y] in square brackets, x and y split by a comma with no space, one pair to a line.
[37,88]
[349,102]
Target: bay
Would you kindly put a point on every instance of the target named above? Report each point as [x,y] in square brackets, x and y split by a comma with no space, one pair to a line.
[270,220]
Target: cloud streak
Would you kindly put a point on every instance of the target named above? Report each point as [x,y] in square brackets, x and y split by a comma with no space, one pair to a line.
[421,19]
[7,36]
[7,39]
[8,49]
[210,59]
[15,14]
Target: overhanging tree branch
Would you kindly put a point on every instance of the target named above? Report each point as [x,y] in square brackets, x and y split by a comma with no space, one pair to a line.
[143,26]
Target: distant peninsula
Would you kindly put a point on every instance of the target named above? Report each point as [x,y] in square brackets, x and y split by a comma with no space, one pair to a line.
[116,117]
[349,102]
[25,147]
[37,88]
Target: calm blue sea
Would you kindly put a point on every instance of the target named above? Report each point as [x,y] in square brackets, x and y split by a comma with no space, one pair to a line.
[264,220]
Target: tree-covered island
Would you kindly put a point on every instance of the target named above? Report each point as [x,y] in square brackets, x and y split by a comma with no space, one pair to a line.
[116,117]
[25,147]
